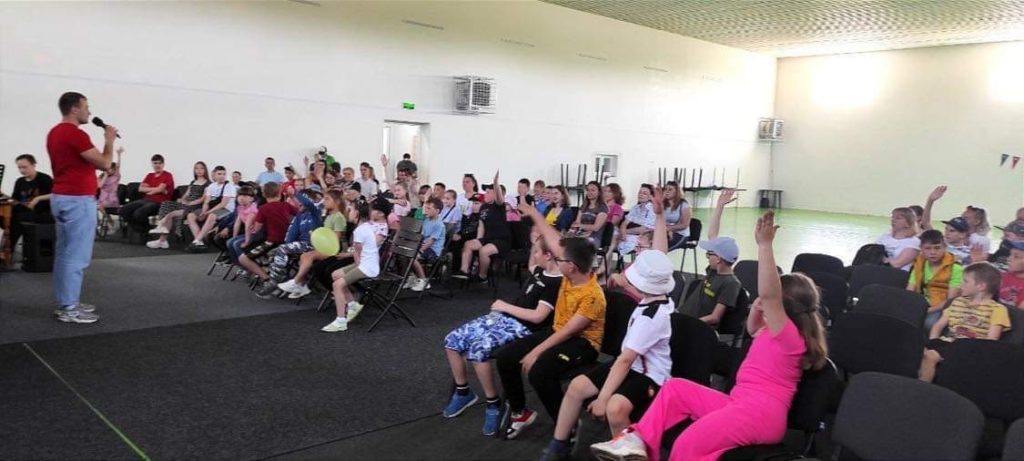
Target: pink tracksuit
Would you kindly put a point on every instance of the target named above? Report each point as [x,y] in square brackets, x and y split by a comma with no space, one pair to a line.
[753,413]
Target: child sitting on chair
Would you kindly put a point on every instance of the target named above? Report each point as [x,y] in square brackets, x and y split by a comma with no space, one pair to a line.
[936,274]
[433,243]
[975,315]
[476,340]
[366,242]
[296,241]
[334,204]
[626,386]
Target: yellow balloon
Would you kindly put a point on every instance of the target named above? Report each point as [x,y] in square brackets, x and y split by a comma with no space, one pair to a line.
[325,241]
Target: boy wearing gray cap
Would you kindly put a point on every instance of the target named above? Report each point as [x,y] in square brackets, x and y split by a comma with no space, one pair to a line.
[720,288]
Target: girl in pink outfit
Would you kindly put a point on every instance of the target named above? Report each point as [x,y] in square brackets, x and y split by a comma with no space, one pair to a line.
[788,338]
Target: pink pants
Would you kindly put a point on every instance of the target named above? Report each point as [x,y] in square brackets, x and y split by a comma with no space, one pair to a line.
[721,422]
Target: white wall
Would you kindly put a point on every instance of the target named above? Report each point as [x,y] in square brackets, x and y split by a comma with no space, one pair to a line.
[232,82]
[869,132]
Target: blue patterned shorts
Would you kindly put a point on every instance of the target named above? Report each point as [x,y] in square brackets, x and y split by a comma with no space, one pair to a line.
[479,337]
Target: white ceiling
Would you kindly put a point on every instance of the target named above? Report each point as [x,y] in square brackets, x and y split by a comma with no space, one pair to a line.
[813,27]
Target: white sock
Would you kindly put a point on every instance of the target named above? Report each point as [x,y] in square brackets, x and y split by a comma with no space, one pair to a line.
[341,320]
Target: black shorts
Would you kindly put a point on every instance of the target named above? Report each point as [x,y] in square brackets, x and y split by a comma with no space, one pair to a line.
[501,244]
[637,388]
[936,345]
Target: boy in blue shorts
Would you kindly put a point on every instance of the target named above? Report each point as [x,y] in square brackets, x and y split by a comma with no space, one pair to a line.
[433,242]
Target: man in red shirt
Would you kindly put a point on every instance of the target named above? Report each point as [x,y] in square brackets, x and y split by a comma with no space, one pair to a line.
[73,202]
[157,188]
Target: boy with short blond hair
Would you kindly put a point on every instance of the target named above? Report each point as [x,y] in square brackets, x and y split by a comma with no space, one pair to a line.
[974,315]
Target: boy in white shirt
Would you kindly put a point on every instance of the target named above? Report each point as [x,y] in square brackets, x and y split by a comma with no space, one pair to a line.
[218,201]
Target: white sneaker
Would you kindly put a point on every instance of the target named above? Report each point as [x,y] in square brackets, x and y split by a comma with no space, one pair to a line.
[288,287]
[419,285]
[158,244]
[76,316]
[300,291]
[159,230]
[354,309]
[627,446]
[339,324]
[409,283]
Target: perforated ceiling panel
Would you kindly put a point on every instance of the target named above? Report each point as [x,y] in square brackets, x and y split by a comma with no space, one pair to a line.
[813,27]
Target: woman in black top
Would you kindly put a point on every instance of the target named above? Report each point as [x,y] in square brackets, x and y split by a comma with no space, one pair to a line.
[31,197]
[492,236]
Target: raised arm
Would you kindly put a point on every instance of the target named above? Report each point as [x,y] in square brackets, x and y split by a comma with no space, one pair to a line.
[724,199]
[926,217]
[551,236]
[660,240]
[769,285]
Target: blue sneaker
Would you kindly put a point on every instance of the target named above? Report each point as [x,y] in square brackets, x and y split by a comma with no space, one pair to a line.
[459,404]
[492,418]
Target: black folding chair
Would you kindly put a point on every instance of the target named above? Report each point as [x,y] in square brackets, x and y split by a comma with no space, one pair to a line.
[884,417]
[382,291]
[865,275]
[870,342]
[693,346]
[733,327]
[677,292]
[818,262]
[691,244]
[990,374]
[834,294]
[894,302]
[1013,448]
[436,271]
[746,271]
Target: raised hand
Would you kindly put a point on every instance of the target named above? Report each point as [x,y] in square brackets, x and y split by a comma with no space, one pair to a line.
[937,194]
[978,254]
[384,160]
[726,197]
[764,232]
[657,201]
[120,150]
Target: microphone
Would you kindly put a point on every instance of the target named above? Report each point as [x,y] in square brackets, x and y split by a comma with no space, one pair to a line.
[99,122]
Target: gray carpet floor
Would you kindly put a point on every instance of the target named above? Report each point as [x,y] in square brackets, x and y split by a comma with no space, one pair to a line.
[130,293]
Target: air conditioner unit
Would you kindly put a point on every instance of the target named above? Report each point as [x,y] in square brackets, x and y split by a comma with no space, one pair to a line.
[475,95]
[770,129]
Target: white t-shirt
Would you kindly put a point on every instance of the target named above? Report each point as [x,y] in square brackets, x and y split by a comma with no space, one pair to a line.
[369,258]
[978,239]
[894,246]
[649,334]
[230,191]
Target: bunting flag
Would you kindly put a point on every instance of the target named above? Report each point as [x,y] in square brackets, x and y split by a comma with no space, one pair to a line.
[1003,161]
[1016,158]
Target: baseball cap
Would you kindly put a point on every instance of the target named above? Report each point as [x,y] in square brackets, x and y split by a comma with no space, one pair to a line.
[725,247]
[1015,227]
[958,223]
[315,188]
[1015,244]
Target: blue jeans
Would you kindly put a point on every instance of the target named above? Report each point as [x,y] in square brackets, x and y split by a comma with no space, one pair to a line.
[235,247]
[75,217]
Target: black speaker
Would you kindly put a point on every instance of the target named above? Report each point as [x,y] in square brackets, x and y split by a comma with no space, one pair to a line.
[38,243]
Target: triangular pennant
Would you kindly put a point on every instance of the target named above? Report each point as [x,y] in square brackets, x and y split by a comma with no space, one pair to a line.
[1016,159]
[1003,161]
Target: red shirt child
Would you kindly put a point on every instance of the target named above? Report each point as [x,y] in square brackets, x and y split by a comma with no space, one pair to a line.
[275,218]
[154,180]
[1011,290]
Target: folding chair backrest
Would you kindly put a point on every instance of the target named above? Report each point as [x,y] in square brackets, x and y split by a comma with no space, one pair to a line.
[834,291]
[1016,333]
[696,226]
[607,234]
[872,253]
[818,262]
[180,191]
[616,320]
[816,395]
[406,246]
[133,191]
[122,194]
[693,346]
[521,234]
[1013,448]
[410,223]
[988,373]
[677,292]
[870,342]
[746,271]
[883,417]
[734,322]
[882,275]
[897,303]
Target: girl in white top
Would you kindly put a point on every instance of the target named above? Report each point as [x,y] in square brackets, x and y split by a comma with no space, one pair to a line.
[366,251]
[901,242]
[470,188]
[639,221]
[677,215]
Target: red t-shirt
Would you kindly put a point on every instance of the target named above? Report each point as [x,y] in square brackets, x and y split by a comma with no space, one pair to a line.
[1011,290]
[72,174]
[152,180]
[275,218]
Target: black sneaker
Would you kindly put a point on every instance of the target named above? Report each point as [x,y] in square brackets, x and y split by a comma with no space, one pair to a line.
[267,290]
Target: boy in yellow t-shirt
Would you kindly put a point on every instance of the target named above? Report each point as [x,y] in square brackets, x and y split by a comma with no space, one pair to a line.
[975,315]
[574,340]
